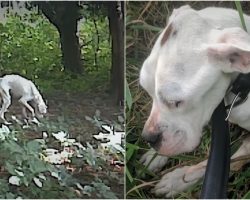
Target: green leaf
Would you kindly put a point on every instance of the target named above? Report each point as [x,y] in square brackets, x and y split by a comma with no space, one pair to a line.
[129,99]
[37,166]
[13,147]
[131,149]
[247,195]
[33,146]
[10,167]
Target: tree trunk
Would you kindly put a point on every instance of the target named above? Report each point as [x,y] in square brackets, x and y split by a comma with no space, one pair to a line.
[116,24]
[71,53]
[64,15]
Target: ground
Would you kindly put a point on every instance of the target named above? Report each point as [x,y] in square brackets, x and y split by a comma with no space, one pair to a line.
[70,109]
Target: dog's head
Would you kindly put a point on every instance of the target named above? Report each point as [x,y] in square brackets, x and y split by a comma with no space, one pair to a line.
[42,108]
[187,74]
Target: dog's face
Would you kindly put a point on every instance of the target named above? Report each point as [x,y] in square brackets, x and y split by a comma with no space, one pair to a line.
[187,74]
[42,108]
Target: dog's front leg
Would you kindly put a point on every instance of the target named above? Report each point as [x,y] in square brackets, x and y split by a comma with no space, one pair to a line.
[244,150]
[154,162]
[182,178]
[23,101]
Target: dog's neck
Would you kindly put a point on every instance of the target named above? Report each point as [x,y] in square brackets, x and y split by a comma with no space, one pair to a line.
[240,114]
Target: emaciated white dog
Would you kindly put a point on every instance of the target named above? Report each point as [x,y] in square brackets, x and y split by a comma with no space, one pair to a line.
[25,91]
[192,64]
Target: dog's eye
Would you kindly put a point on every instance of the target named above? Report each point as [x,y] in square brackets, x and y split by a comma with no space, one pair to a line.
[173,103]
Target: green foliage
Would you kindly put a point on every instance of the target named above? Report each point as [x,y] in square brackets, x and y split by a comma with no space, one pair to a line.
[22,161]
[30,46]
[96,49]
[24,166]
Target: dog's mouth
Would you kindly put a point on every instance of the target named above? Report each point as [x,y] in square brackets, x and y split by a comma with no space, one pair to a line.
[157,143]
[174,144]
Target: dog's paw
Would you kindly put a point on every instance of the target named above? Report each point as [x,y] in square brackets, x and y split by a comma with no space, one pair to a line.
[157,164]
[178,181]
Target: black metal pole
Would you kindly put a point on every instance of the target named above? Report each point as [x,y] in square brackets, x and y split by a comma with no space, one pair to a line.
[217,171]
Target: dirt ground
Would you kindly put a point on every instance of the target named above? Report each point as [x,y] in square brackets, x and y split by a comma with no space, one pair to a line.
[77,106]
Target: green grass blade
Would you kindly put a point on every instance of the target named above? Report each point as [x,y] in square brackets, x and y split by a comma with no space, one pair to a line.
[239,8]
[128,95]
[247,195]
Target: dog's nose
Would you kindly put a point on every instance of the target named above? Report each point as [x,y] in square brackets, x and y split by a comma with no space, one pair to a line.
[153,139]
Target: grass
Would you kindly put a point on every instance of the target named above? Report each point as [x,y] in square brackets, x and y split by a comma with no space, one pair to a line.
[144,20]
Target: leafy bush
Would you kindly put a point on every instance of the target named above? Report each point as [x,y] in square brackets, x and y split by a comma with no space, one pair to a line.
[41,167]
[30,46]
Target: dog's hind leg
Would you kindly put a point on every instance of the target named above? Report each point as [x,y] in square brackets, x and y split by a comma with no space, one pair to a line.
[6,103]
[25,115]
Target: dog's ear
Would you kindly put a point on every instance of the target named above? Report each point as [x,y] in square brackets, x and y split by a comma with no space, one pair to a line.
[231,45]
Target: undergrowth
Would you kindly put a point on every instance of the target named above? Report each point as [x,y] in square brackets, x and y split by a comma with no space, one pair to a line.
[46,161]
[30,46]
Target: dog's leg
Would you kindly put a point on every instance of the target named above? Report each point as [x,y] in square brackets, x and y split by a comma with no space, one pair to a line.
[179,180]
[182,178]
[6,103]
[244,150]
[23,101]
[156,164]
[37,113]
[25,115]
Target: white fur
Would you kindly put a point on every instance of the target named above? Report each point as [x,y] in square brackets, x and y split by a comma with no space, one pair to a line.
[25,91]
[195,67]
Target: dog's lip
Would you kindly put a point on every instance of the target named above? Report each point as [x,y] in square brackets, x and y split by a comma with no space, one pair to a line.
[170,150]
[156,145]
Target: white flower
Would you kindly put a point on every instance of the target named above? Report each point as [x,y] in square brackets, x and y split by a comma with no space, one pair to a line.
[14,180]
[2,136]
[61,136]
[53,156]
[68,142]
[45,135]
[38,182]
[55,174]
[41,176]
[4,130]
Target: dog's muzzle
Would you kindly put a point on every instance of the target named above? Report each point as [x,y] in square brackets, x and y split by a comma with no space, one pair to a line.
[153,138]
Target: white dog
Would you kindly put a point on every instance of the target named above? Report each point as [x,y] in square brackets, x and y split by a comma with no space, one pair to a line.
[192,64]
[25,91]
